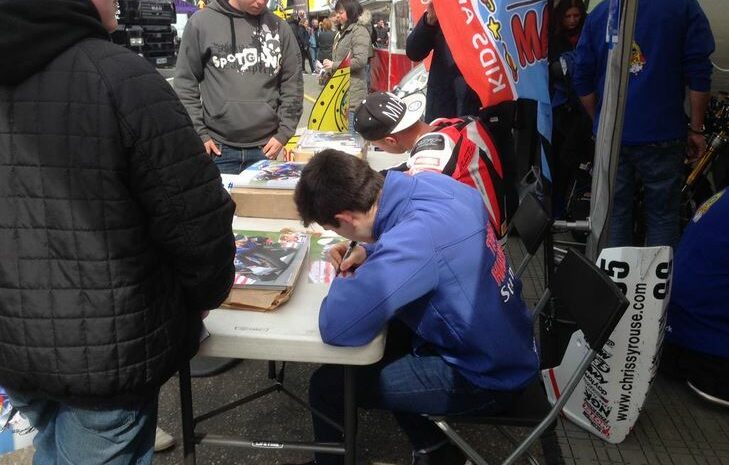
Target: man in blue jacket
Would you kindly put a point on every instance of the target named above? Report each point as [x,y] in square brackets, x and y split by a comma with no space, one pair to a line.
[670,52]
[697,330]
[431,265]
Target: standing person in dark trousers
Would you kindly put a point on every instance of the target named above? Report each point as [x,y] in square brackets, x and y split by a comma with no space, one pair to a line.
[302,35]
[115,238]
[448,94]
[463,341]
[382,35]
[571,125]
[326,40]
[671,50]
[313,44]
[247,108]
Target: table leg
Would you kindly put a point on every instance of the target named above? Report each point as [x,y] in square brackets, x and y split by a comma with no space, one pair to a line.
[350,417]
[188,426]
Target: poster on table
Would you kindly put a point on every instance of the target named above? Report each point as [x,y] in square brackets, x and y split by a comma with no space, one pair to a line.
[612,392]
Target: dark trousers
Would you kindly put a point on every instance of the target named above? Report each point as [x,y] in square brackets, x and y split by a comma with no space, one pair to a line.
[405,384]
[660,169]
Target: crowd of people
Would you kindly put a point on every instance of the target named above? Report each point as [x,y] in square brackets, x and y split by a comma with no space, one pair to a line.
[116,236]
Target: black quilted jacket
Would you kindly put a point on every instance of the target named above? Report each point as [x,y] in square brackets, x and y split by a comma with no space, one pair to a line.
[115,231]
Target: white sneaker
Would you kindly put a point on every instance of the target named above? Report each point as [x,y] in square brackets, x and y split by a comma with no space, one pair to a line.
[708,397]
[163,440]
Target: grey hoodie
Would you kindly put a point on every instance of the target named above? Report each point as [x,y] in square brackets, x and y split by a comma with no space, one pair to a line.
[239,76]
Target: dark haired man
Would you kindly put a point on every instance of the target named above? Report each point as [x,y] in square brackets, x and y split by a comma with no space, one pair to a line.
[432,266]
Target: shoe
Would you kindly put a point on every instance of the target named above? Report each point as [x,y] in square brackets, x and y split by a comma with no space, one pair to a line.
[163,440]
[709,394]
[447,454]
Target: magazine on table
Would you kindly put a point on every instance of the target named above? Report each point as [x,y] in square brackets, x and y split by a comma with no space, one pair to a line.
[316,141]
[268,260]
[268,174]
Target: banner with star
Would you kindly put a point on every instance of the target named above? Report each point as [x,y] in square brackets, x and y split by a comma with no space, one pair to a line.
[500,47]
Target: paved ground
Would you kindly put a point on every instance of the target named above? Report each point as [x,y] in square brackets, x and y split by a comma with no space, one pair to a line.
[674,428]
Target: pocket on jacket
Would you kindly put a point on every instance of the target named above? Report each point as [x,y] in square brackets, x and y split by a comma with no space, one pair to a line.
[246,121]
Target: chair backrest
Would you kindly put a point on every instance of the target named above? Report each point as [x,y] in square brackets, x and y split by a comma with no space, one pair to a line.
[589,296]
[532,223]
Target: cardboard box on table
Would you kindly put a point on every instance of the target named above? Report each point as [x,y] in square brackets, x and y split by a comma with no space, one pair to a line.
[268,197]
[264,203]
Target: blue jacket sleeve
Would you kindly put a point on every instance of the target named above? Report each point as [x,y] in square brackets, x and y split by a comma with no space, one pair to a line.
[401,269]
[421,40]
[698,46]
[584,77]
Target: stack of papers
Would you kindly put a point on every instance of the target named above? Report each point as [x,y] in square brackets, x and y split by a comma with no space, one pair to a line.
[267,260]
[267,265]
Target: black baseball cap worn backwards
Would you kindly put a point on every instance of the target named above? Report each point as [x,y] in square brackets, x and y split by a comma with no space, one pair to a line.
[383,113]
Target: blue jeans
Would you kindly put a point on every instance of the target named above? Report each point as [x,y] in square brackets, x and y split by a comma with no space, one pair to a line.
[659,167]
[90,436]
[233,160]
[313,51]
[405,384]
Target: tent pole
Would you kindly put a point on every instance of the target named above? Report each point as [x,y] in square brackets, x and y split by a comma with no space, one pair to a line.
[610,130]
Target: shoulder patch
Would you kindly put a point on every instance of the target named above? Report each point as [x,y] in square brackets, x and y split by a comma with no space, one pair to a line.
[706,206]
[430,153]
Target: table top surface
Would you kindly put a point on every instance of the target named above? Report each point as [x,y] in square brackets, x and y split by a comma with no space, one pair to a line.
[288,333]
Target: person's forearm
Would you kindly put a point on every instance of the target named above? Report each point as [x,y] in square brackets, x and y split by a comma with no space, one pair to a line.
[699,101]
[589,102]
[421,40]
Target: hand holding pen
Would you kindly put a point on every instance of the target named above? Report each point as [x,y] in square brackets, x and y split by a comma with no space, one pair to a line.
[347,254]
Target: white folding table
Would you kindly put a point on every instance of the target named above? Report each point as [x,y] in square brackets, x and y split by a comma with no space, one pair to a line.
[288,334]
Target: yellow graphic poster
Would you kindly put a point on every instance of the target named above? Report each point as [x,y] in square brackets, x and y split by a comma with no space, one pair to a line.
[330,110]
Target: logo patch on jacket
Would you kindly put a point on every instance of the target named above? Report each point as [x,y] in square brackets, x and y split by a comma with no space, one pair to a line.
[637,59]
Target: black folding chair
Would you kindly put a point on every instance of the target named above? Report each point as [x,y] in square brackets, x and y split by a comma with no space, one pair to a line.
[532,224]
[596,304]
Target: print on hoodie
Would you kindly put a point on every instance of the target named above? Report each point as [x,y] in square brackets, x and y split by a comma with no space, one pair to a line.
[264,54]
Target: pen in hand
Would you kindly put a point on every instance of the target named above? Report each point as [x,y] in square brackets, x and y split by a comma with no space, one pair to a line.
[346,255]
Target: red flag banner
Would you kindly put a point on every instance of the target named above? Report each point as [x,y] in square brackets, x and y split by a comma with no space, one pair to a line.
[500,46]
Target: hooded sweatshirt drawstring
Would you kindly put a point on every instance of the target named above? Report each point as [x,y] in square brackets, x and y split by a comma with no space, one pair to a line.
[234,42]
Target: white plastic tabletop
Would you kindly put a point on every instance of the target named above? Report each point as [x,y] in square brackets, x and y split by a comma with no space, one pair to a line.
[289,333]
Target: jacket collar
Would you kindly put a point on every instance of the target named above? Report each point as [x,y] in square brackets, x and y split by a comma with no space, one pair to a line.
[396,194]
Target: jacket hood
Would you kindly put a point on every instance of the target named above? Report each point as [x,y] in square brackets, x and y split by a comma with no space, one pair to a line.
[34,32]
[224,7]
[365,19]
